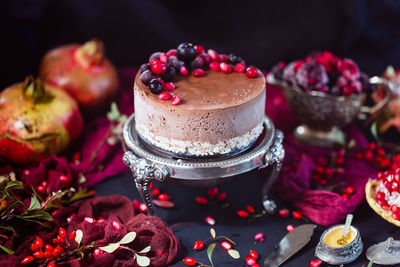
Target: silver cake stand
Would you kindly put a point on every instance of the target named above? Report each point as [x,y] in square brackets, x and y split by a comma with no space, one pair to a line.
[148,164]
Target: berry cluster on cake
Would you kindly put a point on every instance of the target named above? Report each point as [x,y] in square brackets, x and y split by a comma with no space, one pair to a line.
[196,102]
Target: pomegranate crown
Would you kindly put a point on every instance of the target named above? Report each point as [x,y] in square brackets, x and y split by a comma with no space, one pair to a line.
[33,88]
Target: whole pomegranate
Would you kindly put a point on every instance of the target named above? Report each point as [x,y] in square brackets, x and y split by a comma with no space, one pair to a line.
[37,120]
[84,72]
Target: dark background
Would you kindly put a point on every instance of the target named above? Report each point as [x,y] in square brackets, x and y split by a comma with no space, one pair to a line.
[263,32]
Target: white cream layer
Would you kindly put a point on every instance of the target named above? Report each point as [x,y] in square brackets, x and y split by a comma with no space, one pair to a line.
[197,148]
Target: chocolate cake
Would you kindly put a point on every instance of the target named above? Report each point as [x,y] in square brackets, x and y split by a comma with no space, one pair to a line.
[216,109]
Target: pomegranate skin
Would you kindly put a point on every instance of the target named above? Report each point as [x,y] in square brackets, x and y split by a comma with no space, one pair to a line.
[32,130]
[93,82]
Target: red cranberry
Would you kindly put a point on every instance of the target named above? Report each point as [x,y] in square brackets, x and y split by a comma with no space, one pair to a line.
[242,213]
[214,55]
[27,260]
[297,215]
[251,72]
[158,67]
[199,49]
[175,100]
[198,73]
[250,260]
[171,52]
[189,261]
[225,68]
[240,68]
[183,70]
[226,245]
[201,200]
[165,96]
[168,86]
[198,245]
[215,66]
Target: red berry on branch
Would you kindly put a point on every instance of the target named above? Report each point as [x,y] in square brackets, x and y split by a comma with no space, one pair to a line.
[242,213]
[34,247]
[39,242]
[368,156]
[189,261]
[57,251]
[201,200]
[253,254]
[51,264]
[380,151]
[297,215]
[39,255]
[198,245]
[64,178]
[41,189]
[315,263]
[283,213]
[116,226]
[226,245]
[72,235]
[48,247]
[250,260]
[27,260]
[97,252]
[62,232]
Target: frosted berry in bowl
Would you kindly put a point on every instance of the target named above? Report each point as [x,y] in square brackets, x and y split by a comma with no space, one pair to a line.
[325,93]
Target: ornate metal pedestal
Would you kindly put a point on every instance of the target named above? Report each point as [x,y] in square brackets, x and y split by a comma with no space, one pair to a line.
[147,163]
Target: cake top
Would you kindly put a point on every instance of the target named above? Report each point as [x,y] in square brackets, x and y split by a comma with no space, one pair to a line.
[196,78]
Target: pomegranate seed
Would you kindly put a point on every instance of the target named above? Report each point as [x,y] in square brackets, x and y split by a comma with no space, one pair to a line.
[100,220]
[41,189]
[339,160]
[212,192]
[380,195]
[39,242]
[359,155]
[225,245]
[64,179]
[34,247]
[213,55]
[168,86]
[239,68]
[250,208]
[255,265]
[143,208]
[198,245]
[189,261]
[155,191]
[97,252]
[89,219]
[116,225]
[251,72]
[57,251]
[209,220]
[171,52]
[259,237]
[51,264]
[345,196]
[315,263]
[72,235]
[165,96]
[396,216]
[250,260]
[394,208]
[385,163]
[297,215]
[62,232]
[163,57]
[225,68]
[397,158]
[70,217]
[27,260]
[201,200]
[39,255]
[222,196]
[242,213]
[158,67]
[283,213]
[349,190]
[183,70]
[199,49]
[253,254]
[290,228]
[163,197]
[198,73]
[175,100]
[215,66]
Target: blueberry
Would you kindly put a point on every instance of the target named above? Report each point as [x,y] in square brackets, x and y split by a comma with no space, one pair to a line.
[155,87]
[197,63]
[169,75]
[144,67]
[234,59]
[155,55]
[147,76]
[176,63]
[186,52]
